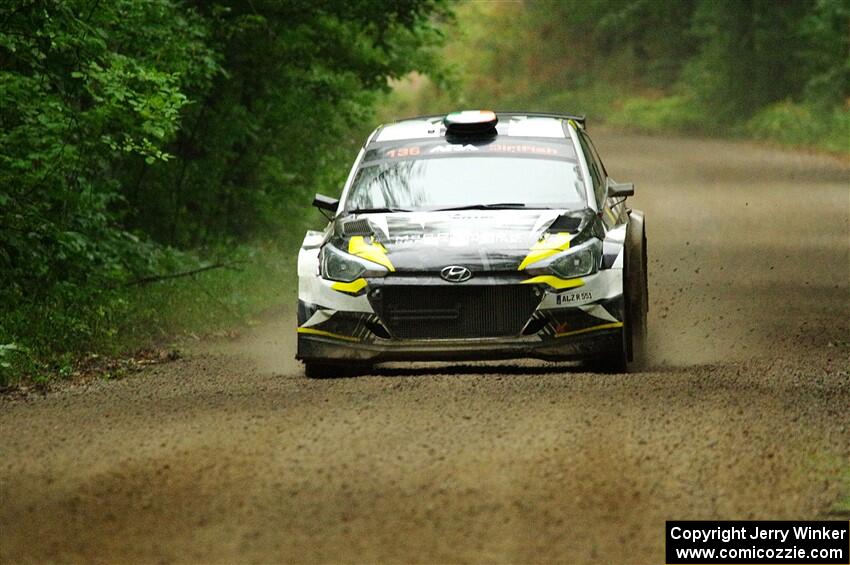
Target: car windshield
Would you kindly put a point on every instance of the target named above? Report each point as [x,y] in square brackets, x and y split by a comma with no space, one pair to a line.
[467,181]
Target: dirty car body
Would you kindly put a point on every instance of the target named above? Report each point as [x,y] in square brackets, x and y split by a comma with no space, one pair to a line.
[475,235]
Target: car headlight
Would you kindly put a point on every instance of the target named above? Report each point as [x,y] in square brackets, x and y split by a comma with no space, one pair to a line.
[340,266]
[579,261]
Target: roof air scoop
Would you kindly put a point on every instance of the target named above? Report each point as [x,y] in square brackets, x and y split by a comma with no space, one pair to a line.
[471,122]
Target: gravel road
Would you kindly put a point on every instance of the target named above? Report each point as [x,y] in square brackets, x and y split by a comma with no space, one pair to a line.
[230,454]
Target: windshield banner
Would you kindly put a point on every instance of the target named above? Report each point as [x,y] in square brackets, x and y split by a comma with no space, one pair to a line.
[441,148]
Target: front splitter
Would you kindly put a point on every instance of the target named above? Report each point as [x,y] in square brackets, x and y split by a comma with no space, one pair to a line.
[321,349]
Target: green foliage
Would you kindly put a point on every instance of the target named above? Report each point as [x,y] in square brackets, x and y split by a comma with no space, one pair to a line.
[300,76]
[670,113]
[748,55]
[133,132]
[728,67]
[826,52]
[259,276]
[81,95]
[787,123]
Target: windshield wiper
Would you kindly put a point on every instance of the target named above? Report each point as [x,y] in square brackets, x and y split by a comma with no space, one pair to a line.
[376,210]
[496,206]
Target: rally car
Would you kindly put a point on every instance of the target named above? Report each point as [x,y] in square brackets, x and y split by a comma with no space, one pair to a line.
[470,236]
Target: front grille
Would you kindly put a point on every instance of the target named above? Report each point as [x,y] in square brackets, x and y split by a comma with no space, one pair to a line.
[455,312]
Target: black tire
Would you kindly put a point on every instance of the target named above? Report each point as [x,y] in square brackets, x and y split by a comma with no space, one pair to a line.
[611,364]
[636,289]
[314,370]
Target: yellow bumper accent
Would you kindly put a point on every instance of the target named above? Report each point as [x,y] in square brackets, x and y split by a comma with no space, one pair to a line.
[550,245]
[352,287]
[371,251]
[608,326]
[554,282]
[326,334]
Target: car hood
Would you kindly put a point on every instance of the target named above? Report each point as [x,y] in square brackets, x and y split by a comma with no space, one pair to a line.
[482,240]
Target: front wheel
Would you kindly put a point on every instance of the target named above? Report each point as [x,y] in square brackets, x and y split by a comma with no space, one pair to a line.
[314,370]
[632,352]
[319,370]
[615,362]
[636,289]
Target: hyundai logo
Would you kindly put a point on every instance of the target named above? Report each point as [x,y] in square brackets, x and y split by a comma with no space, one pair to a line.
[456,274]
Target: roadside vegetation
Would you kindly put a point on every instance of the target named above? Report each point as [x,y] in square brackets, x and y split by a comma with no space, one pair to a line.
[775,71]
[144,140]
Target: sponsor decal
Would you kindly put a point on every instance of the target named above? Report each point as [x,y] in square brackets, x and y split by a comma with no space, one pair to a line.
[464,238]
[403,152]
[526,149]
[453,149]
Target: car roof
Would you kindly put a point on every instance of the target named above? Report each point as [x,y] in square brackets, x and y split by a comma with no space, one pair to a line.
[511,124]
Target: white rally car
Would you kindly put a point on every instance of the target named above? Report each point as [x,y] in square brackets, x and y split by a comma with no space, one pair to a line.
[475,235]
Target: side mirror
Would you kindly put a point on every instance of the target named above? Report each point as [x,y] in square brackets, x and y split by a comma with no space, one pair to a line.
[620,190]
[323,202]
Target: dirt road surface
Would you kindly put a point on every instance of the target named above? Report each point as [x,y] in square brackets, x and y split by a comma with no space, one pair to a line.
[230,454]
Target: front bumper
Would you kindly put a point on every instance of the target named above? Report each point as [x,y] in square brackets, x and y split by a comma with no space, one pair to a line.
[582,322]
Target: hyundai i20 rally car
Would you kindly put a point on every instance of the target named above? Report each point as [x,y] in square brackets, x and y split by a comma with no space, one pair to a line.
[475,235]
